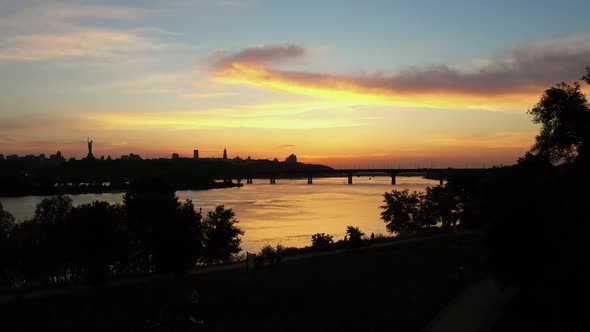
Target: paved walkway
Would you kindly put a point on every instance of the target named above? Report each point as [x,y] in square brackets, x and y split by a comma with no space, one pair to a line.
[475,310]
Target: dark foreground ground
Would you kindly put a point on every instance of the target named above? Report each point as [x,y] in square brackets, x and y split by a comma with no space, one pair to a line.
[398,288]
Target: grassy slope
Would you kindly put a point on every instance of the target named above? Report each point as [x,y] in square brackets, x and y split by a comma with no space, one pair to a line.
[391,288]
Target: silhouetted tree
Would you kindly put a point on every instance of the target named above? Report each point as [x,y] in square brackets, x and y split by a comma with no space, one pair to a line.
[7,252]
[401,211]
[322,241]
[536,214]
[564,115]
[53,210]
[221,235]
[267,251]
[97,239]
[440,205]
[187,231]
[40,244]
[166,235]
[355,236]
[6,223]
[406,212]
[50,216]
[587,76]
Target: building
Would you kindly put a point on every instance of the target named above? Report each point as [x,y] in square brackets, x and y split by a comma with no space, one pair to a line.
[195,154]
[131,156]
[224,154]
[291,159]
[175,156]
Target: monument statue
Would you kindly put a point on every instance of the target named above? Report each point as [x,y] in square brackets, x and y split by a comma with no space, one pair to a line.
[89,146]
[90,156]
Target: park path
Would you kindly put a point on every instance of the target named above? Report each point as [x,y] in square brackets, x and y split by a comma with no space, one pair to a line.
[475,310]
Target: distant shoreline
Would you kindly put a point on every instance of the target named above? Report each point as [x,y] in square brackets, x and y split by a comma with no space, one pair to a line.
[215,185]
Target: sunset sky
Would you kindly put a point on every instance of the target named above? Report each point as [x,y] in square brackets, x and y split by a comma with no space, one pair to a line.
[343,83]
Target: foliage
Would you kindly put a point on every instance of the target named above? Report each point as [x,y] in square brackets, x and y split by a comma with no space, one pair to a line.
[221,235]
[7,260]
[98,233]
[322,241]
[151,206]
[587,76]
[152,232]
[53,210]
[39,246]
[440,206]
[355,236]
[401,211]
[535,212]
[406,212]
[564,115]
[269,251]
[6,223]
[187,232]
[167,236]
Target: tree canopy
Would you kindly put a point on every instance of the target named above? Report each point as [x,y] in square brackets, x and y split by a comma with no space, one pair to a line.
[564,115]
[408,212]
[151,232]
[222,236]
[6,223]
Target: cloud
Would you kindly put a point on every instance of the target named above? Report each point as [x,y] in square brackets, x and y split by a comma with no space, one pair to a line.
[23,17]
[81,44]
[513,78]
[257,56]
[287,146]
[206,95]
[161,82]
[49,31]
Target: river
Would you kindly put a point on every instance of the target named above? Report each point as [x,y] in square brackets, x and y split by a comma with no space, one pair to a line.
[288,212]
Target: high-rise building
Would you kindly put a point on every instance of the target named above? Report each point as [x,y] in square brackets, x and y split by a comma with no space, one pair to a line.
[195,154]
[224,154]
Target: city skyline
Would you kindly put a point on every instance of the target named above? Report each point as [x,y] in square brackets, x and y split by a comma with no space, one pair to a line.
[337,83]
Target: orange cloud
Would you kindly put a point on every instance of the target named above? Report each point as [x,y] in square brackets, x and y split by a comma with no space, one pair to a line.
[513,80]
[351,90]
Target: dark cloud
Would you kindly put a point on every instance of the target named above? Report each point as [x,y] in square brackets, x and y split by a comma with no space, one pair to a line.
[524,69]
[261,55]
[287,146]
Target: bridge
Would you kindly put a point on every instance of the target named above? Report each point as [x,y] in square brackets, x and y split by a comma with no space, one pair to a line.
[440,174]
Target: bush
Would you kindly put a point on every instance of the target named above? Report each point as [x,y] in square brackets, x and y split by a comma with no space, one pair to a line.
[322,241]
[355,237]
[270,251]
[267,251]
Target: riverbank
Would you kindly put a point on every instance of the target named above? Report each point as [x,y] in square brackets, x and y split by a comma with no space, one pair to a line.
[88,189]
[397,287]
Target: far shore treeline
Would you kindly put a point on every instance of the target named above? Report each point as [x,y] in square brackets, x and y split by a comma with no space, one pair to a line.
[34,175]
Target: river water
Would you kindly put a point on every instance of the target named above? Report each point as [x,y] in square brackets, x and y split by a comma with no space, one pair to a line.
[288,212]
